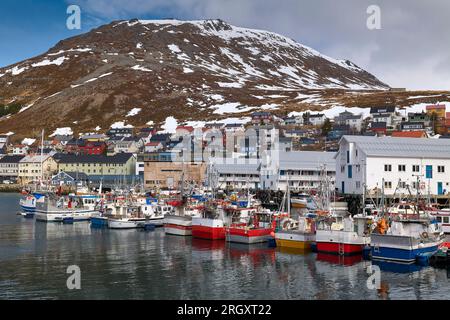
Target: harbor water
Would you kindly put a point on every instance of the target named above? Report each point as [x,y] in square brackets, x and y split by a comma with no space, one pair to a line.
[135,264]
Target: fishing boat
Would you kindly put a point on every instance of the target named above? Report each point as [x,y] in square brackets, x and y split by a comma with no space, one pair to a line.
[28,203]
[58,209]
[210,225]
[297,234]
[124,216]
[258,228]
[405,239]
[343,234]
[300,202]
[443,217]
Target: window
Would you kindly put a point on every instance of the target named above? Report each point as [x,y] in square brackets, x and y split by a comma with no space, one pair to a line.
[387,167]
[445,220]
[388,184]
[350,172]
[358,184]
[439,219]
[415,168]
[401,168]
[441,169]
[402,184]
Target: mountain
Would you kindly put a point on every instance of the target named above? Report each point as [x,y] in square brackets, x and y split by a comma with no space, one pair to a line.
[138,71]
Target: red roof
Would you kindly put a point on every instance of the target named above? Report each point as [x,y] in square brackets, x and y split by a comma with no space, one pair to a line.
[152,144]
[409,134]
[187,128]
[435,106]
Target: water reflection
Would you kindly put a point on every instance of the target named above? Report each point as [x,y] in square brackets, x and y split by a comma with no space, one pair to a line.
[133,264]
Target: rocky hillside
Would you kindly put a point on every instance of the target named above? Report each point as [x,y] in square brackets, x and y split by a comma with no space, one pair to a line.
[139,71]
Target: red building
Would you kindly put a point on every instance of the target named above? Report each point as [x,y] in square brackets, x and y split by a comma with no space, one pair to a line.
[86,147]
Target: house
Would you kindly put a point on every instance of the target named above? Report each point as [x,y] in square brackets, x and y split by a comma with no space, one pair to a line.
[153,146]
[124,145]
[316,119]
[380,128]
[437,114]
[353,121]
[9,167]
[20,149]
[261,117]
[412,126]
[295,133]
[119,167]
[81,146]
[285,144]
[421,117]
[120,132]
[34,168]
[61,140]
[146,133]
[70,179]
[303,170]
[4,139]
[289,121]
[410,134]
[398,163]
[234,127]
[94,137]
[376,111]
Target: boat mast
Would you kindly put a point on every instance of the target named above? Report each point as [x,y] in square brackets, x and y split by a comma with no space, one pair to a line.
[42,157]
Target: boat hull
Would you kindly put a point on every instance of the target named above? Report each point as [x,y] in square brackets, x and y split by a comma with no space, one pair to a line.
[99,221]
[178,225]
[401,249]
[340,242]
[82,215]
[125,224]
[294,240]
[211,229]
[241,235]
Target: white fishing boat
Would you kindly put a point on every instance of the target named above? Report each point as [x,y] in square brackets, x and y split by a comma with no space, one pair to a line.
[124,216]
[60,209]
[443,217]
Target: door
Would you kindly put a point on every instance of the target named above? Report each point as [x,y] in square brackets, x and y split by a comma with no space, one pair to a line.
[429,172]
[343,186]
[440,189]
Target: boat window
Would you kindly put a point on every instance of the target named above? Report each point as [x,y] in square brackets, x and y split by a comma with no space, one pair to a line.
[445,219]
[439,219]
[407,207]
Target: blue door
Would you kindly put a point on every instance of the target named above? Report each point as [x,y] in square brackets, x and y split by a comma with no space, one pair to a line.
[429,172]
[440,188]
[343,187]
[350,172]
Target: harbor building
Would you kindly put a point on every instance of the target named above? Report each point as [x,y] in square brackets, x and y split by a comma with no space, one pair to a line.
[9,167]
[34,168]
[162,171]
[402,165]
[111,169]
[234,176]
[303,170]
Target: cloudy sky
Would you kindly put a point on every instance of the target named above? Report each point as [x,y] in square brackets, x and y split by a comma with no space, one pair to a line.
[412,48]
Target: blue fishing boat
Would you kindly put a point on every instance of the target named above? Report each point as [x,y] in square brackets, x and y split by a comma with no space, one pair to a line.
[406,240]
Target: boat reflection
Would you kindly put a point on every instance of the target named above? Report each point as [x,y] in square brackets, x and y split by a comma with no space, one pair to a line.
[396,267]
[257,253]
[296,251]
[339,259]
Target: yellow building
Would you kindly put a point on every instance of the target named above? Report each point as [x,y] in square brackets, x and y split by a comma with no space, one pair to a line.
[34,168]
[121,164]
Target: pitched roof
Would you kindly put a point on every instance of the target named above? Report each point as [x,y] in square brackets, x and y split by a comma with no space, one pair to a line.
[307,160]
[388,109]
[119,158]
[401,147]
[409,134]
[11,158]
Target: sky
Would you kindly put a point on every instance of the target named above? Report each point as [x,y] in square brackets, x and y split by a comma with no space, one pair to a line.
[411,49]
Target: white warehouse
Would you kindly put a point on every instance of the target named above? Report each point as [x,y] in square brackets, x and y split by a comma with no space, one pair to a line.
[404,164]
